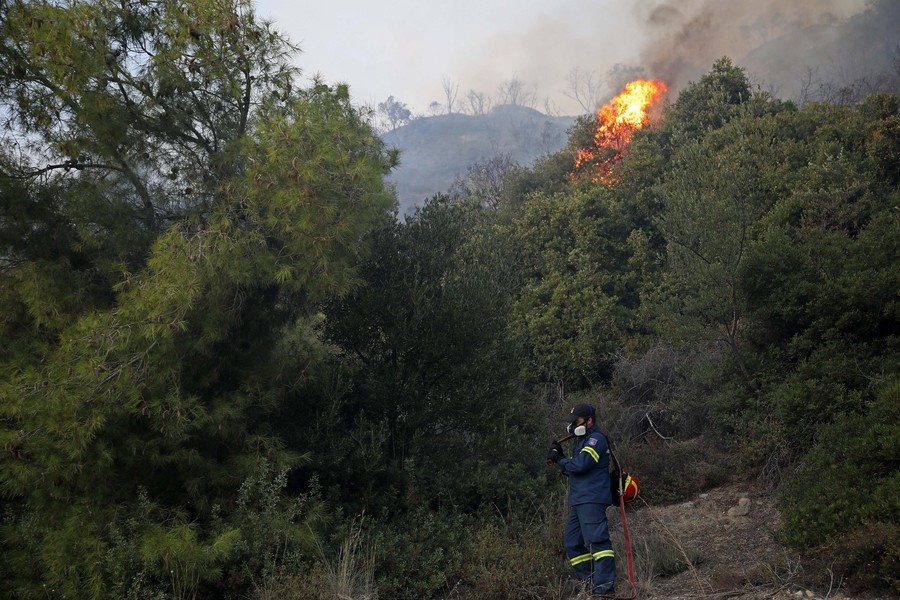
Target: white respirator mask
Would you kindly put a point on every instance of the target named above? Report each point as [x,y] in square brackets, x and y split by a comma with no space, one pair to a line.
[579,431]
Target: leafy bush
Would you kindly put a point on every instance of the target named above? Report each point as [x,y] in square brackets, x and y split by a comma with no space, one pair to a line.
[869,557]
[128,574]
[848,481]
[417,556]
[275,530]
[470,481]
[849,477]
[674,471]
[510,563]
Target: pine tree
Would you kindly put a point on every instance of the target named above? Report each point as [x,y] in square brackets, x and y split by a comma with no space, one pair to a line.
[174,212]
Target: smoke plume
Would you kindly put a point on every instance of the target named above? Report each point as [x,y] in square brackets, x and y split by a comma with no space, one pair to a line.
[794,48]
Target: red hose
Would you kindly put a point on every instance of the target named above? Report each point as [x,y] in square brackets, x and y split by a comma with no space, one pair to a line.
[628,548]
[634,590]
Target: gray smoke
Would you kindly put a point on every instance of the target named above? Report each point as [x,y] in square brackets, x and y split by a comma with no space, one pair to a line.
[797,49]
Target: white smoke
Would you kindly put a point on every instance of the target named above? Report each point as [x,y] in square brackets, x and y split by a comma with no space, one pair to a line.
[793,48]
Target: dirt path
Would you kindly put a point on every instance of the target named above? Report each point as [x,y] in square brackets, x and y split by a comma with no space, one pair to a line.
[729,531]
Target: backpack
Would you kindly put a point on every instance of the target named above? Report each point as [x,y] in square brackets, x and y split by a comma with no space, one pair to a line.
[622,485]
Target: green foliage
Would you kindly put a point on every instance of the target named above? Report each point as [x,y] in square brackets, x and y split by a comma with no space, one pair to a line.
[714,193]
[136,103]
[506,563]
[674,471]
[499,476]
[177,553]
[129,574]
[845,493]
[276,530]
[850,477]
[742,221]
[218,340]
[574,310]
[868,557]
[710,102]
[195,212]
[421,554]
[426,339]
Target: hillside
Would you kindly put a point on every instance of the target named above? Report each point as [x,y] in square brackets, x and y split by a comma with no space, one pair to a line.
[229,371]
[434,150]
[728,532]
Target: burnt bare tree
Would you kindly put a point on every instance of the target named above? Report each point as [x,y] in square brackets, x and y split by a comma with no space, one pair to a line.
[450,88]
[550,107]
[658,394]
[517,93]
[484,181]
[585,88]
[479,103]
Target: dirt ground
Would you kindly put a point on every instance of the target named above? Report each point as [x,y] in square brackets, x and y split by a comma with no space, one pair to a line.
[729,532]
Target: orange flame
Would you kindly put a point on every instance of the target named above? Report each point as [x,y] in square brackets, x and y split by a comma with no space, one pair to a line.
[616,124]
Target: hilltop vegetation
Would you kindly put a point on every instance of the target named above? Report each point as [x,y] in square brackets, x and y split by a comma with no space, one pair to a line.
[437,150]
[229,371]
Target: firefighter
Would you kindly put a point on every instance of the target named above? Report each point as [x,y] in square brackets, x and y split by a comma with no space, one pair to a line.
[586,541]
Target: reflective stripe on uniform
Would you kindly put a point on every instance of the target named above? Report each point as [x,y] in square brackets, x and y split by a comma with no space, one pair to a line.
[592,452]
[604,554]
[580,559]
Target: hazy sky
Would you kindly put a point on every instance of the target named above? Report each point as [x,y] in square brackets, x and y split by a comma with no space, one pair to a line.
[405,47]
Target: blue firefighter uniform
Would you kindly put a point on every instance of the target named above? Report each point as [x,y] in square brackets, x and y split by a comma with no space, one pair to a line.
[587,542]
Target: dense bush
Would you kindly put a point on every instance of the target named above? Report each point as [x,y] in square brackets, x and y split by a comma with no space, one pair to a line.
[850,477]
[508,563]
[420,555]
[868,557]
[276,530]
[673,471]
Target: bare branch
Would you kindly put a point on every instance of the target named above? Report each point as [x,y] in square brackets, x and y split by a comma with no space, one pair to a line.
[584,88]
[68,165]
[450,89]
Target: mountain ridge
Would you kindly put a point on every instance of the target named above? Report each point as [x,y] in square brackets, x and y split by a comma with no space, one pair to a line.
[435,150]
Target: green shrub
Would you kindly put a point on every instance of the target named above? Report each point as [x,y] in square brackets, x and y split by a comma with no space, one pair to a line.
[848,480]
[674,471]
[506,563]
[421,554]
[464,481]
[128,574]
[869,557]
[849,477]
[275,530]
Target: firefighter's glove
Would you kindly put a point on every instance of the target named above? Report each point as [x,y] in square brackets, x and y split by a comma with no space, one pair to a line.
[554,455]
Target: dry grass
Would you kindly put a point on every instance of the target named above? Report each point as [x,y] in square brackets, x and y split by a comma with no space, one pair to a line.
[656,555]
[351,575]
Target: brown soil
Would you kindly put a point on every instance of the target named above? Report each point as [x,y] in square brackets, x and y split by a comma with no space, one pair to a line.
[736,554]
